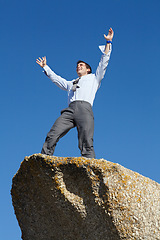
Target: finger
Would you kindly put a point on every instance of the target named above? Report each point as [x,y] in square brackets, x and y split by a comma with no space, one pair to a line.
[40,59]
[38,63]
[44,60]
[111,30]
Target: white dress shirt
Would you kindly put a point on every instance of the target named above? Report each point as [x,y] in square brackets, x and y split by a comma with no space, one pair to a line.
[87,85]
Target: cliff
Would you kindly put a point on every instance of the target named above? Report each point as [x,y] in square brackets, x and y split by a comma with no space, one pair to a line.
[84,199]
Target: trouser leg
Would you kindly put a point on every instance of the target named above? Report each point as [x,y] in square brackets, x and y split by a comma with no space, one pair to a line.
[85,126]
[61,126]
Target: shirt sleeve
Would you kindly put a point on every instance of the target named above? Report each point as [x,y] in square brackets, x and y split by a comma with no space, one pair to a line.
[101,69]
[59,81]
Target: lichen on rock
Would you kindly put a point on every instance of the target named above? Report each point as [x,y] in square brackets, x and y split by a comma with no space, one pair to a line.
[57,198]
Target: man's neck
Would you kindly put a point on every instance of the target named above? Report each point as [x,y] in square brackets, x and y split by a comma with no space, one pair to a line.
[79,75]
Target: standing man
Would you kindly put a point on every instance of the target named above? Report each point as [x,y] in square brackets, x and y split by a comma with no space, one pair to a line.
[81,94]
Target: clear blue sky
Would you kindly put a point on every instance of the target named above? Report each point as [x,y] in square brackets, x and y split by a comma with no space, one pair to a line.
[126,108]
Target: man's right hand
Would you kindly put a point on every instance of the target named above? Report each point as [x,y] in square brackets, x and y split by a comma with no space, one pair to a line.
[41,61]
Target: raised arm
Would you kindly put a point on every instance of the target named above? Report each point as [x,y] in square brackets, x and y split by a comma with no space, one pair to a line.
[108,38]
[106,50]
[59,81]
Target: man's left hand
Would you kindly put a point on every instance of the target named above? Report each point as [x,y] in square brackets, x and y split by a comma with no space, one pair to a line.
[109,37]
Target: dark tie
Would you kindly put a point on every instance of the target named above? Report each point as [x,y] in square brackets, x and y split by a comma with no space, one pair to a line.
[75,85]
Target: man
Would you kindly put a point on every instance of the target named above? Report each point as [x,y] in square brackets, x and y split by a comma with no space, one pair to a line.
[81,94]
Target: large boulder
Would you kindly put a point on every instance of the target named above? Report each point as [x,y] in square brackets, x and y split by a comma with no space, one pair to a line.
[57,198]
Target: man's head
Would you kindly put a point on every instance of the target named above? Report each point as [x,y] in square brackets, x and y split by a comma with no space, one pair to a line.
[83,68]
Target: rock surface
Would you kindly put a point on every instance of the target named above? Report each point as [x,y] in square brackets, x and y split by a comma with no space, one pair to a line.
[84,199]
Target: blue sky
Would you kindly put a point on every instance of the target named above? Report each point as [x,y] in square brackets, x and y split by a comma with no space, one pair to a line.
[126,108]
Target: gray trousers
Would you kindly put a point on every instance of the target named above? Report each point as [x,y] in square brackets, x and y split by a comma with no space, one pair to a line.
[79,114]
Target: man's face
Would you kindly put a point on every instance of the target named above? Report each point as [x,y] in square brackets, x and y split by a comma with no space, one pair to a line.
[81,69]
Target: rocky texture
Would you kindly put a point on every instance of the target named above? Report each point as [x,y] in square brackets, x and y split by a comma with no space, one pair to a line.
[79,199]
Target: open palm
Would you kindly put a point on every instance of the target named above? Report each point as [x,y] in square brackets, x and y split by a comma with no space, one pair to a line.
[41,61]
